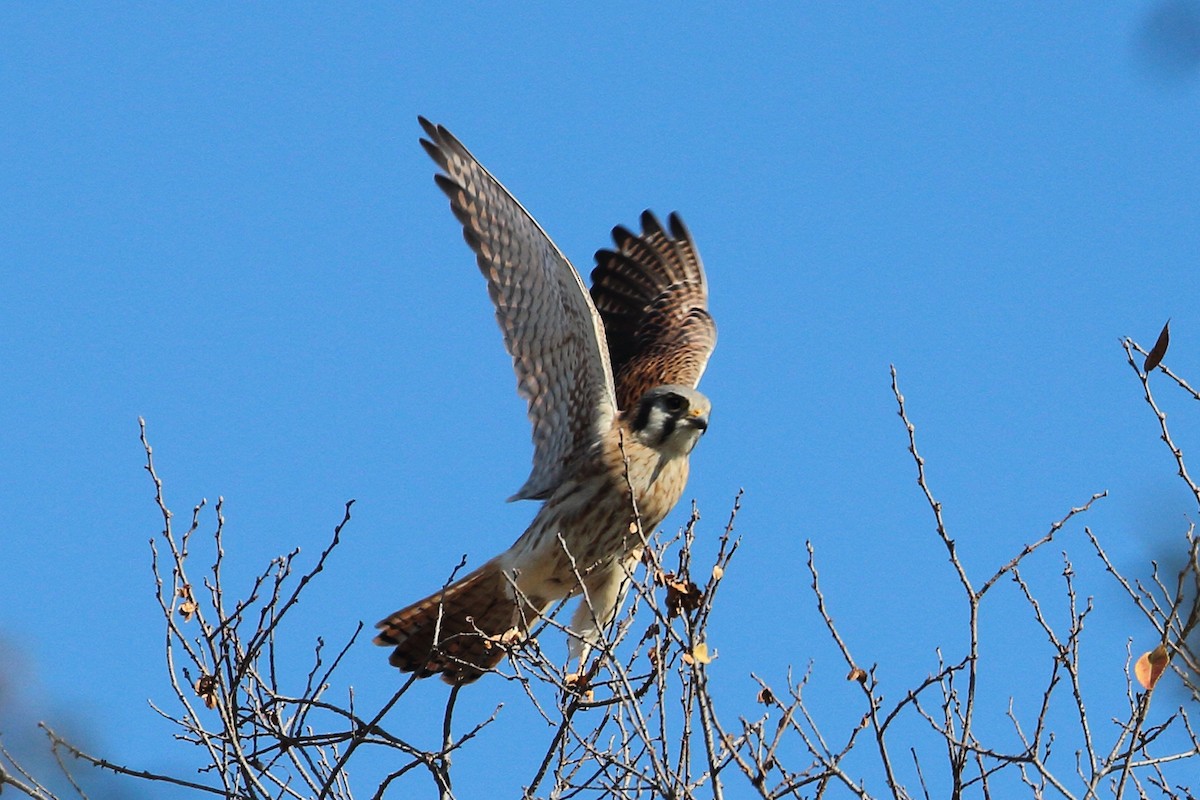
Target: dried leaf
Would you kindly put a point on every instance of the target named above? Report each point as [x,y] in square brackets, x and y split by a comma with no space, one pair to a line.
[683,595]
[206,688]
[765,696]
[1155,356]
[189,606]
[699,655]
[1150,667]
[857,674]
[718,572]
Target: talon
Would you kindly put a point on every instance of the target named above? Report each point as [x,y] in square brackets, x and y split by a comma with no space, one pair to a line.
[577,683]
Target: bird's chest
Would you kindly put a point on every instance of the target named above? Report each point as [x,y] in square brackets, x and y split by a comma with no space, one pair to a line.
[657,487]
[594,516]
[646,481]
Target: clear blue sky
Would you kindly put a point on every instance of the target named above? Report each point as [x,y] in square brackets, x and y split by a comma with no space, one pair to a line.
[218,218]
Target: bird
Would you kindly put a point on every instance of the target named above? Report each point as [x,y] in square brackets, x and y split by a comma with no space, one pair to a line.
[610,376]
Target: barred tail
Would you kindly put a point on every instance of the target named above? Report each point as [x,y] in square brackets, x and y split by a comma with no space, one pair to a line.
[454,631]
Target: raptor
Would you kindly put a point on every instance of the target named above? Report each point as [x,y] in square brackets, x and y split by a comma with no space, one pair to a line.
[610,378]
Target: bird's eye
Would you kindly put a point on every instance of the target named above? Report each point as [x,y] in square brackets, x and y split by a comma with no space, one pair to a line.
[674,403]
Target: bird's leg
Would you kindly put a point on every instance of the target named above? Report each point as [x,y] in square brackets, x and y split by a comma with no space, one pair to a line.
[603,592]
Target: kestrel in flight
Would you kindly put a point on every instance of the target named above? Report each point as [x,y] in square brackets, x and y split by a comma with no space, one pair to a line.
[610,378]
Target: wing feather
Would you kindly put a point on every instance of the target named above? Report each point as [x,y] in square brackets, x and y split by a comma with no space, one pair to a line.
[653,296]
[551,328]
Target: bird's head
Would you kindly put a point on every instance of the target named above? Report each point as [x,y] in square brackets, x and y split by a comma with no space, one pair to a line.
[671,419]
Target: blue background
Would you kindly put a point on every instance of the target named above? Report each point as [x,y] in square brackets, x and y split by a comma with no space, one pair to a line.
[218,218]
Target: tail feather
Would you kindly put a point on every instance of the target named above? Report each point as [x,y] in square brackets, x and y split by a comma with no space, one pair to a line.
[454,631]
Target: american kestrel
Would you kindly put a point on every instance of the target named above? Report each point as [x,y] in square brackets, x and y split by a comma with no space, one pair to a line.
[610,378]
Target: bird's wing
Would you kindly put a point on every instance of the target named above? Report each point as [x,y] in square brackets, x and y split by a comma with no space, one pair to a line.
[551,329]
[653,296]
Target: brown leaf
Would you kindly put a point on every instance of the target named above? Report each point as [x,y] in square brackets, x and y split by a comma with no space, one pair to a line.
[857,674]
[206,688]
[188,607]
[683,595]
[1150,667]
[1155,356]
[765,696]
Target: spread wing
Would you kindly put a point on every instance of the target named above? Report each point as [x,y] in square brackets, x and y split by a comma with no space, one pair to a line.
[653,296]
[551,329]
